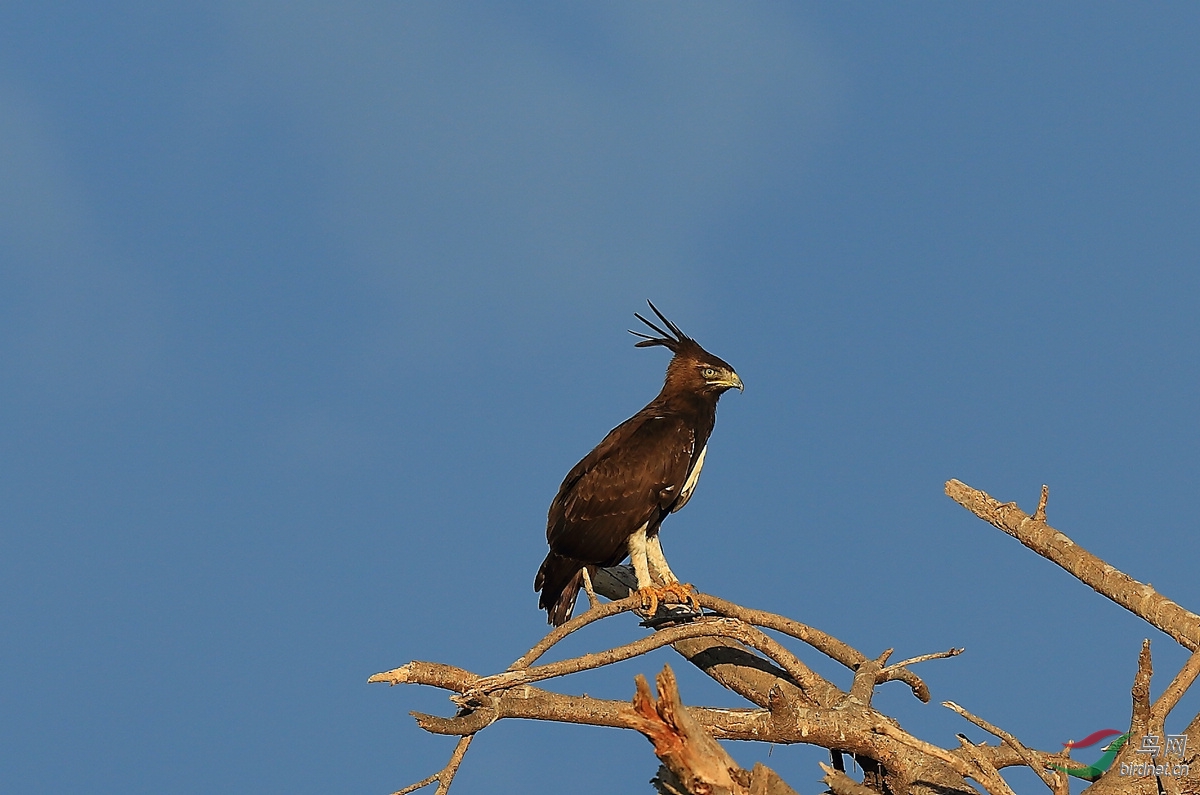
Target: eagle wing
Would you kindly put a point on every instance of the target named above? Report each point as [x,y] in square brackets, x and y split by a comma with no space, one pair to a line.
[634,477]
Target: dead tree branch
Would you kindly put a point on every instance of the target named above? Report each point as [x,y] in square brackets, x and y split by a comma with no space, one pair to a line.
[1039,763]
[1140,692]
[885,673]
[1138,598]
[841,784]
[1141,599]
[983,770]
[795,704]
[814,686]
[790,703]
[446,775]
[694,760]
[618,583]
[1179,685]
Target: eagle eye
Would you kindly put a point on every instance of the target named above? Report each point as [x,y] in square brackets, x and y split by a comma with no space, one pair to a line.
[708,372]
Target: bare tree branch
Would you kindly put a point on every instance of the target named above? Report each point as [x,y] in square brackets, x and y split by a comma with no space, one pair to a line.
[1139,598]
[817,688]
[950,759]
[793,704]
[1179,685]
[447,677]
[593,602]
[841,784]
[596,613]
[1140,692]
[937,655]
[444,776]
[617,582]
[863,686]
[983,770]
[1057,782]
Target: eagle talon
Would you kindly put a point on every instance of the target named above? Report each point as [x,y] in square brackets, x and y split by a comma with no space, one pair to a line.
[675,593]
[685,594]
[650,597]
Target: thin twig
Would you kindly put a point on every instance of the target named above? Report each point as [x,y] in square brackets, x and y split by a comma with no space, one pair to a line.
[1055,781]
[578,622]
[814,686]
[446,775]
[1040,514]
[821,641]
[937,655]
[719,627]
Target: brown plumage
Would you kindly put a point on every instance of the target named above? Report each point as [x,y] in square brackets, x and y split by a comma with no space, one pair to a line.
[612,503]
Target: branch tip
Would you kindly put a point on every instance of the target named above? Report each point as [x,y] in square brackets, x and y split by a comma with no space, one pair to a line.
[1036,763]
[1040,514]
[396,676]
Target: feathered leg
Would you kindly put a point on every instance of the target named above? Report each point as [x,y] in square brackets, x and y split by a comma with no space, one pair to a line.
[682,592]
[646,553]
[641,570]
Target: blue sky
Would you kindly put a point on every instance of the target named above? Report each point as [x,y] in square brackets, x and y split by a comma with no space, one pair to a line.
[305,309]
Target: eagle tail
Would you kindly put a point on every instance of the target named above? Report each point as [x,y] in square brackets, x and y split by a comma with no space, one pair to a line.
[559,579]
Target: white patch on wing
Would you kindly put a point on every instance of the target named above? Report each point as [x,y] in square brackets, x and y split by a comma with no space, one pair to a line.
[693,476]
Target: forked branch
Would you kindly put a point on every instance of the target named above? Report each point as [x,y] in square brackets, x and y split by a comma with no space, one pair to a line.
[797,705]
[790,703]
[1139,598]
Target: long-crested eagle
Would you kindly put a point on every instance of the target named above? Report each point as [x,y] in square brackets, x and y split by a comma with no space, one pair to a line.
[613,502]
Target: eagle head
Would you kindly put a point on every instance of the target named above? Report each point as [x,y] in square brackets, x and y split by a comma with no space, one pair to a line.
[692,368]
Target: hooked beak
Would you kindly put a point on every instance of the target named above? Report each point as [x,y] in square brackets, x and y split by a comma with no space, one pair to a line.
[734,380]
